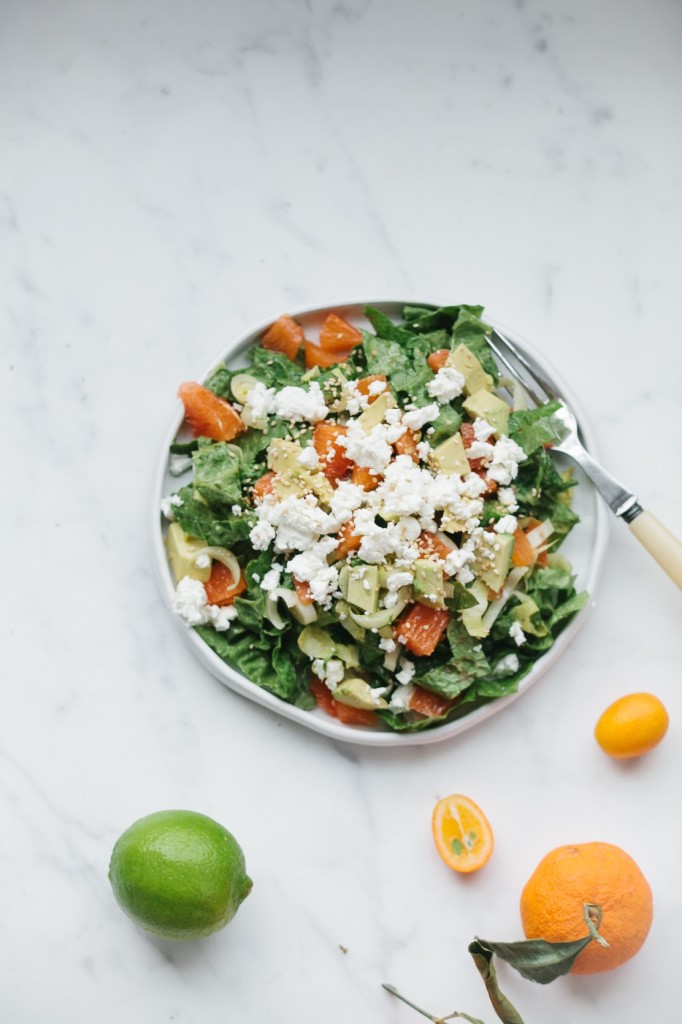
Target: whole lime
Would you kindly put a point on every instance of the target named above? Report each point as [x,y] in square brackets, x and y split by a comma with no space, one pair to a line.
[179,874]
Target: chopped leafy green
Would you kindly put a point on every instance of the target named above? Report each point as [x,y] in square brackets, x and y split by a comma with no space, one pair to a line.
[217,475]
[274,369]
[533,428]
[197,519]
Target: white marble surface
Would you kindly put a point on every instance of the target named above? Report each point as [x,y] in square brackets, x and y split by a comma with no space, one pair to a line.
[170,172]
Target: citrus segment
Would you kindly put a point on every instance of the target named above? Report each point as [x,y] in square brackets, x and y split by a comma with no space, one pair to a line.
[207,414]
[284,336]
[462,833]
[632,725]
[338,336]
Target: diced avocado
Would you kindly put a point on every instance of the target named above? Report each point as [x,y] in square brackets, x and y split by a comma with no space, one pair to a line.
[475,377]
[449,457]
[472,617]
[314,642]
[525,612]
[374,413]
[292,478]
[344,613]
[429,586]
[363,587]
[312,374]
[490,408]
[357,693]
[449,524]
[182,554]
[492,563]
[348,653]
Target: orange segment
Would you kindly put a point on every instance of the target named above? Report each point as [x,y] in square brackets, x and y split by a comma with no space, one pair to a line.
[285,335]
[316,356]
[462,833]
[337,335]
[438,359]
[207,414]
[407,445]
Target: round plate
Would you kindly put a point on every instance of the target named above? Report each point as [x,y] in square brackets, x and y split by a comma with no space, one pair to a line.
[585,548]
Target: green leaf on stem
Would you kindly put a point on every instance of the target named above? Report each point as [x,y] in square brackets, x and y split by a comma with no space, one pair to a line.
[542,961]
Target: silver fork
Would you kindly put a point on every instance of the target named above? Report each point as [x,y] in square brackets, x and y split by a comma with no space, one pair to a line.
[652,534]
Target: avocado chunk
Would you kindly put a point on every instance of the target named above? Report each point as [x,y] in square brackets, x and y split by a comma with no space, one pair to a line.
[429,585]
[291,477]
[374,413]
[357,693]
[491,409]
[472,617]
[450,458]
[363,587]
[475,377]
[314,642]
[492,564]
[182,554]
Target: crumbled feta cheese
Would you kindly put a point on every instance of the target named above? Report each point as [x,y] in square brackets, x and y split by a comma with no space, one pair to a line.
[506,665]
[272,578]
[294,523]
[259,404]
[387,644]
[189,602]
[480,450]
[377,387]
[506,497]
[311,567]
[406,673]
[373,451]
[416,418]
[309,458]
[330,672]
[346,499]
[507,524]
[355,401]
[202,561]
[236,510]
[221,617]
[505,461]
[423,450]
[482,429]
[179,464]
[400,699]
[517,634]
[396,580]
[297,404]
[168,504]
[446,385]
[262,535]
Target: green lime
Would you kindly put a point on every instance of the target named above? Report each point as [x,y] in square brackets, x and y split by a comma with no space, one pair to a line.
[179,874]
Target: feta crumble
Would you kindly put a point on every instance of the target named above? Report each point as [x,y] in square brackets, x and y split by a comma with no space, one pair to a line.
[517,634]
[446,385]
[168,504]
[189,602]
[300,404]
[179,464]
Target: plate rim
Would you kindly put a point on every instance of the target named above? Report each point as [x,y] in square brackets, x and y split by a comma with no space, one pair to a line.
[326,725]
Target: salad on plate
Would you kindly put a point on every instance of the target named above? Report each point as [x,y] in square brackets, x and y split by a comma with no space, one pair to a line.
[369,521]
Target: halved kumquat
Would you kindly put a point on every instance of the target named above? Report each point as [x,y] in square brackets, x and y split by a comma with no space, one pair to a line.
[462,833]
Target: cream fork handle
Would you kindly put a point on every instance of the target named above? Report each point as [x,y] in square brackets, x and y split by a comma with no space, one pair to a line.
[660,543]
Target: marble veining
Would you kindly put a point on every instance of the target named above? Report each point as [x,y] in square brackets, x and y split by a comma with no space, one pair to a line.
[169,173]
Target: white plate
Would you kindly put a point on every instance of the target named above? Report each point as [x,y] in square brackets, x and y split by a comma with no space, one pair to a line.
[585,547]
